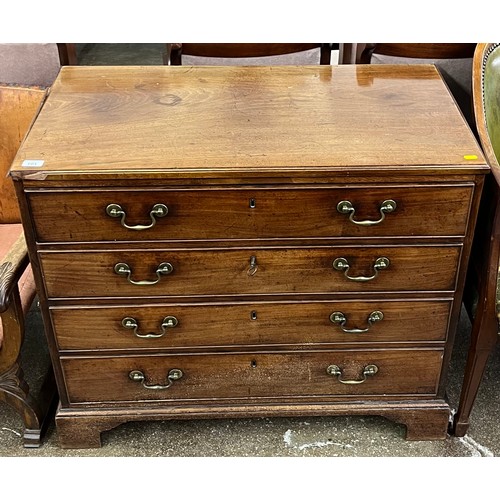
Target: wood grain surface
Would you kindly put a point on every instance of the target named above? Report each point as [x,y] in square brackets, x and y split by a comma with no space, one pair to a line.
[247,119]
[251,213]
[230,325]
[252,375]
[227,272]
[18,107]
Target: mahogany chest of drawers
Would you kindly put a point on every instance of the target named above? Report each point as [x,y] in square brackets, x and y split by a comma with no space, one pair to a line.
[234,241]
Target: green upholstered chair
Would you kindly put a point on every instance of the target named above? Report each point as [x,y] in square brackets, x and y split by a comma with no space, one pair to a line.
[483,275]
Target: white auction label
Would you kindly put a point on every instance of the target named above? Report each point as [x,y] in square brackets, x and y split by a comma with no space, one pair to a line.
[32,163]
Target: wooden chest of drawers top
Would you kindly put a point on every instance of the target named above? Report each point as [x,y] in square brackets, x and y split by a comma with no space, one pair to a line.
[248,122]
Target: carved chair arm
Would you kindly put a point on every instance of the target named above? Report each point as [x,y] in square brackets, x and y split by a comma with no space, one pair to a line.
[12,267]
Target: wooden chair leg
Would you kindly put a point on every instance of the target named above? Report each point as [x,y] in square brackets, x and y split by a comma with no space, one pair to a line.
[483,340]
[173,54]
[13,387]
[67,54]
[325,53]
[13,333]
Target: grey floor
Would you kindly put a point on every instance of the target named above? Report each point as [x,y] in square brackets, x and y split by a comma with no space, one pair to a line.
[269,437]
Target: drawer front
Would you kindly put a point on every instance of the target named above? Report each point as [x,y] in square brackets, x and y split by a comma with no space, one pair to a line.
[252,375]
[250,324]
[250,213]
[254,272]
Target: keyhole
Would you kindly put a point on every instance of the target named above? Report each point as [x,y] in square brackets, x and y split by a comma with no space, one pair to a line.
[253,315]
[252,203]
[253,363]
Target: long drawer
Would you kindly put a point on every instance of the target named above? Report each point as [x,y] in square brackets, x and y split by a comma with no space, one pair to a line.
[203,377]
[250,324]
[210,214]
[128,273]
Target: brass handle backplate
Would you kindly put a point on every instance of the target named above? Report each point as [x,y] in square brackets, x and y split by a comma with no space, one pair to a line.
[346,207]
[252,269]
[339,318]
[123,269]
[173,375]
[159,210]
[368,371]
[342,264]
[133,324]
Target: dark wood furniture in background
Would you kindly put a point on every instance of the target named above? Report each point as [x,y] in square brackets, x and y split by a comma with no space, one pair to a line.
[174,51]
[484,267]
[18,107]
[418,50]
[361,53]
[249,241]
[67,54]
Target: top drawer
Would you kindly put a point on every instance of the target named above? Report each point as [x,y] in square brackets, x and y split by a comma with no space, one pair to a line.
[250,213]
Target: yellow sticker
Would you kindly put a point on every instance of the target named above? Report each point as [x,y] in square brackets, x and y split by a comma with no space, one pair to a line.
[470,157]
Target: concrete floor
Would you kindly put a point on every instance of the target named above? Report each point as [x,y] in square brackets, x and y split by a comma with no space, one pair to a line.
[267,437]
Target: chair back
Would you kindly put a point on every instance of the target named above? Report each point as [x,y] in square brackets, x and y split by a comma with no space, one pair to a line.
[18,107]
[217,51]
[418,51]
[486,98]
